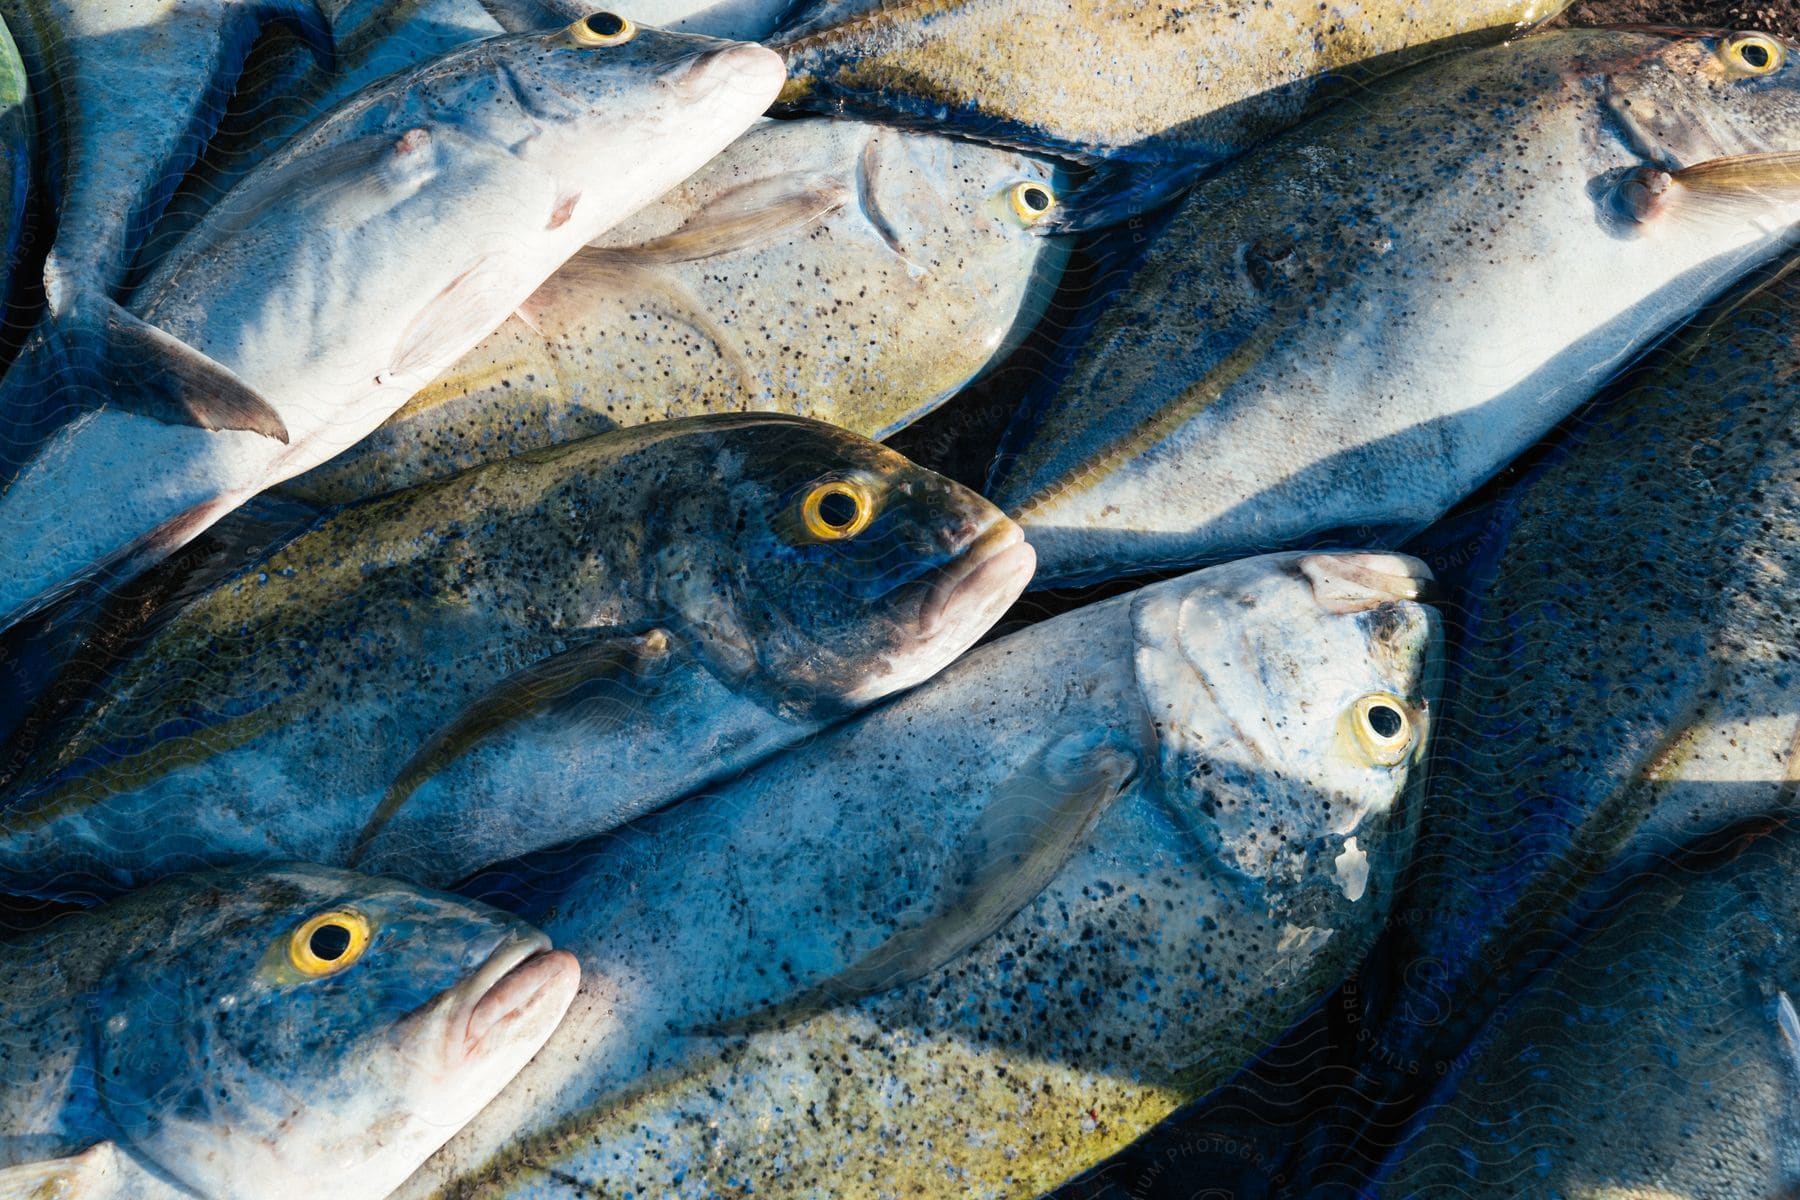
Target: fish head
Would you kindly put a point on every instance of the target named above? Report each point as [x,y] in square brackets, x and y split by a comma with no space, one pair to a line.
[278,1029]
[913,187]
[1681,97]
[1292,698]
[978,211]
[603,92]
[843,571]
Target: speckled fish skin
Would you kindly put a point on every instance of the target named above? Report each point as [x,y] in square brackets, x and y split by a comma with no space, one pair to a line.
[586,632]
[1660,1061]
[1206,844]
[1125,81]
[914,267]
[351,268]
[170,1046]
[1346,334]
[1628,684]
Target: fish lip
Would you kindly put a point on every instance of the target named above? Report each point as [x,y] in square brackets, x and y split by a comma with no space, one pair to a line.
[521,980]
[1352,583]
[736,64]
[988,566]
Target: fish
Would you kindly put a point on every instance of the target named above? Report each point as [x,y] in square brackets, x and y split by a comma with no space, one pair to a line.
[983,935]
[1151,94]
[1342,336]
[347,271]
[580,634]
[283,1032]
[1656,1061]
[1623,688]
[918,264]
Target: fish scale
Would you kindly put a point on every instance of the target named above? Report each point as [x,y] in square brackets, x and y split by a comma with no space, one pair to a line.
[173,1045]
[1626,687]
[1655,1061]
[1154,93]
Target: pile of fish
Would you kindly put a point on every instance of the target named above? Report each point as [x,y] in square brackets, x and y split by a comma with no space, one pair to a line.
[513,521]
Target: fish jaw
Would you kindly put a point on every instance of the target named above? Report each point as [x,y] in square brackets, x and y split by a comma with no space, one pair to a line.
[962,601]
[468,1044]
[487,1028]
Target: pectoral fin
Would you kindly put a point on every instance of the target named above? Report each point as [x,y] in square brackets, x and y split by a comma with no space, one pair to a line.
[91,1175]
[1026,834]
[469,307]
[741,219]
[1744,186]
[623,668]
[150,371]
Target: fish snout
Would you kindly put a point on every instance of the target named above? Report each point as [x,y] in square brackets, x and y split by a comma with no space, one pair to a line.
[518,995]
[1352,583]
[524,1004]
[739,66]
[982,582]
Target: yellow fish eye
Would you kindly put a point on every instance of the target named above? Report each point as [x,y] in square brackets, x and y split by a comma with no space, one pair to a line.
[1031,201]
[837,510]
[1384,727]
[602,29]
[1753,54]
[328,943]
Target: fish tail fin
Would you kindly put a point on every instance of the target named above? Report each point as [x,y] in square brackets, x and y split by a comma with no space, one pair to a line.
[40,393]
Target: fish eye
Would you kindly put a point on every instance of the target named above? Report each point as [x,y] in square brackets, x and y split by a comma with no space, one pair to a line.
[840,509]
[328,943]
[1384,727]
[1753,54]
[1031,201]
[602,29]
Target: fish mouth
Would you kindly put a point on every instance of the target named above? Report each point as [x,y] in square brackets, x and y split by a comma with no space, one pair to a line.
[993,570]
[1352,583]
[747,66]
[522,992]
